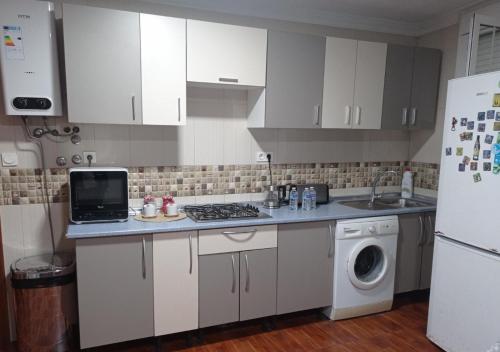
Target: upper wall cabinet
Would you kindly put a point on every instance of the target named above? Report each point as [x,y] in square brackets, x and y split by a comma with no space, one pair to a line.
[163,67]
[411,87]
[294,87]
[124,67]
[226,54]
[353,84]
[103,65]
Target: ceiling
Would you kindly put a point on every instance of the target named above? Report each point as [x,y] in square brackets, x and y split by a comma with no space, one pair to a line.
[410,17]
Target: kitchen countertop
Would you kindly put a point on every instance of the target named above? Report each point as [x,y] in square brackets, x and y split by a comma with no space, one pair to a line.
[324,212]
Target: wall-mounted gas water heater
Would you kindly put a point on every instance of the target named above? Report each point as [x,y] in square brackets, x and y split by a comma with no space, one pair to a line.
[28,58]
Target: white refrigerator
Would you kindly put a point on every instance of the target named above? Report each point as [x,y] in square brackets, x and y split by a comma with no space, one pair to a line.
[464,307]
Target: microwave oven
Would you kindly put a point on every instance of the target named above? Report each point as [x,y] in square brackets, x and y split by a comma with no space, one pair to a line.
[98,194]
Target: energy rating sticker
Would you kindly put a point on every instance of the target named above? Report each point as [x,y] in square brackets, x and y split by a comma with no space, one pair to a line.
[13,43]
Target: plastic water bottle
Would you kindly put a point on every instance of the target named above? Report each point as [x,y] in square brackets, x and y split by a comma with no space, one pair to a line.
[306,199]
[293,202]
[312,192]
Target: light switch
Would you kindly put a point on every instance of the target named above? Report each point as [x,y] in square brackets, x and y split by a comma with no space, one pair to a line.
[9,159]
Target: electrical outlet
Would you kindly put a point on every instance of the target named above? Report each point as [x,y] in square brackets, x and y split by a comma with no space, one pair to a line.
[93,155]
[261,157]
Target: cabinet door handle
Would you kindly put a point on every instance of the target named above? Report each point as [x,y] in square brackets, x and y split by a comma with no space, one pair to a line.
[358,115]
[430,240]
[316,114]
[247,283]
[347,115]
[233,288]
[190,253]
[133,107]
[421,234]
[179,109]
[143,258]
[413,116]
[404,119]
[330,249]
[226,79]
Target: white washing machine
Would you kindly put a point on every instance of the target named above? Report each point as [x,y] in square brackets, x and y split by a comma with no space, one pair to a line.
[365,266]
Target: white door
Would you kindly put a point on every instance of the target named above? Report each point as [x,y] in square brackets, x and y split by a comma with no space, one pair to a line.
[175,272]
[163,64]
[369,85]
[467,210]
[226,54]
[338,90]
[464,306]
[103,65]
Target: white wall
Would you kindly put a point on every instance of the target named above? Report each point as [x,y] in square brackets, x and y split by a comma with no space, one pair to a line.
[425,146]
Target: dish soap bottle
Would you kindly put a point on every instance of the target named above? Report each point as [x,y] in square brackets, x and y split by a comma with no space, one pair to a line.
[407,184]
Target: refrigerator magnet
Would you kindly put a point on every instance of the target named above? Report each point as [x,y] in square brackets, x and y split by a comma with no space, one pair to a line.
[470,125]
[466,136]
[463,121]
[487,166]
[460,151]
[481,127]
[496,126]
[486,154]
[477,177]
[490,114]
[488,139]
[466,160]
[454,122]
[496,169]
[461,167]
[481,116]
[448,151]
[473,166]
[496,153]
[496,100]
[497,117]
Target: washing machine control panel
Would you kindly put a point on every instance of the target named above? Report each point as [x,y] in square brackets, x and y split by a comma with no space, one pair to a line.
[378,227]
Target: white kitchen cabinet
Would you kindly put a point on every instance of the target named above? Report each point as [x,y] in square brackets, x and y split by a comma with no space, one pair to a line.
[102,50]
[175,278]
[353,84]
[369,85]
[163,67]
[338,89]
[226,54]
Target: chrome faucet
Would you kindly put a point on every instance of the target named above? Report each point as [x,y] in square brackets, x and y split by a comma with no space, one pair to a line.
[377,179]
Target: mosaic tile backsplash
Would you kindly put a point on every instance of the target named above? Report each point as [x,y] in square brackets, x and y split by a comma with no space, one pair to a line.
[24,186]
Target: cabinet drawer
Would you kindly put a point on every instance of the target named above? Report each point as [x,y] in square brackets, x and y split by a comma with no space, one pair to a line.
[237,239]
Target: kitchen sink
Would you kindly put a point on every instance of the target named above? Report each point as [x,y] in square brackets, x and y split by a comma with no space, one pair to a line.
[385,203]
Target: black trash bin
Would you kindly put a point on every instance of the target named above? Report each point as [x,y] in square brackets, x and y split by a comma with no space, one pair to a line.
[45,302]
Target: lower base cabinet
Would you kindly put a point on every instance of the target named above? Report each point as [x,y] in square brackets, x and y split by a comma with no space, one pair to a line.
[305,266]
[415,252]
[115,289]
[175,272]
[237,286]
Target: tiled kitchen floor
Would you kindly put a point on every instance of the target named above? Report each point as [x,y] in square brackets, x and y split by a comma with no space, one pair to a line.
[402,329]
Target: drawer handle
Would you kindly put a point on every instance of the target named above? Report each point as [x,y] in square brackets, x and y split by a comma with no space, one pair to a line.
[229,80]
[229,235]
[404,121]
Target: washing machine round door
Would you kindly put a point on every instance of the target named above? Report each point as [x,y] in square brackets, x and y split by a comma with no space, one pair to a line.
[368,264]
